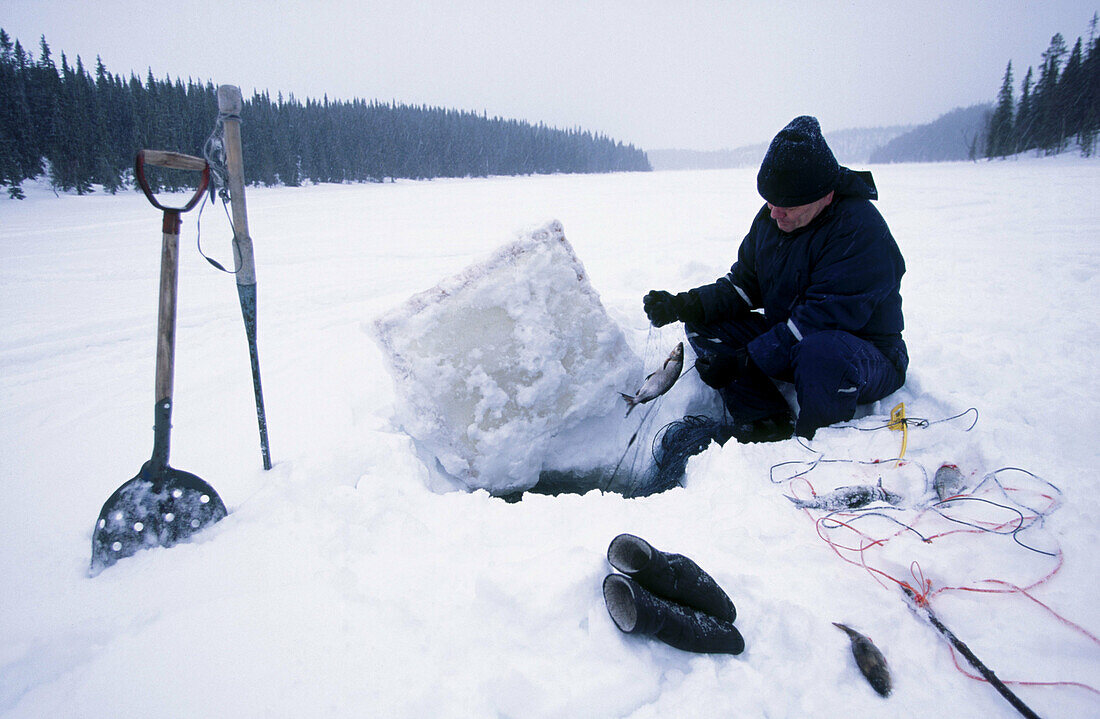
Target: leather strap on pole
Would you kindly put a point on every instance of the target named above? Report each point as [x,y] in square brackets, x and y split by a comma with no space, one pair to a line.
[229,107]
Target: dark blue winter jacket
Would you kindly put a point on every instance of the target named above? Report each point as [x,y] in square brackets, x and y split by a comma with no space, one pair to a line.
[841,272]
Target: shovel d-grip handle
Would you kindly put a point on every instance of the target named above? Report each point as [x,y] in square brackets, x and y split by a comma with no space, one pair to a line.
[175,161]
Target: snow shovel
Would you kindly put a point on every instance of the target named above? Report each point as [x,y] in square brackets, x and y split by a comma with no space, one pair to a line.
[161,506]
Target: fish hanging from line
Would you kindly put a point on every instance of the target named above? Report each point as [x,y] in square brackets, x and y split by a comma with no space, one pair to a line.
[658,382]
[849,498]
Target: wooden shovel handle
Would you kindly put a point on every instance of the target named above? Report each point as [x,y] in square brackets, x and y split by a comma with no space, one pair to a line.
[173,160]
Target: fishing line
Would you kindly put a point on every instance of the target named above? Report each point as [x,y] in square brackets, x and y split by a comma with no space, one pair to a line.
[862,512]
[637,450]
[653,344]
[848,519]
[992,477]
[1023,522]
[821,459]
[676,442]
[917,422]
[653,339]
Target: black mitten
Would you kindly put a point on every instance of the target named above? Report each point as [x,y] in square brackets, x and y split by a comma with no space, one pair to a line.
[659,307]
[663,307]
[719,370]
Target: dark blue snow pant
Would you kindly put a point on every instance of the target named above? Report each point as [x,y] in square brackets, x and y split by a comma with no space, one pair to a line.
[832,372]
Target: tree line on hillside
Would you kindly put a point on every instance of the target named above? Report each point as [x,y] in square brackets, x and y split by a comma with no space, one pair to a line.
[955,135]
[84,129]
[1062,104]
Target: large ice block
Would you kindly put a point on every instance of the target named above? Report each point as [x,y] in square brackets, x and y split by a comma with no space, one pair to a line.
[494,364]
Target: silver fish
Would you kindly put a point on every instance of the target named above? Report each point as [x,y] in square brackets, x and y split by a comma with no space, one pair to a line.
[869,660]
[948,482]
[849,498]
[660,381]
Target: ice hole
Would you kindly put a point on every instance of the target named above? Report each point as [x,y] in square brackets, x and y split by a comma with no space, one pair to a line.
[117,546]
[554,482]
[138,526]
[169,517]
[204,498]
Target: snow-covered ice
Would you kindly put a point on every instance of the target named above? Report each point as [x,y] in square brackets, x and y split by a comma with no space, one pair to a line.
[342,583]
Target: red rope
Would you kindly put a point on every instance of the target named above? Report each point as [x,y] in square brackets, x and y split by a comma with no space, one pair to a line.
[921,586]
[1018,683]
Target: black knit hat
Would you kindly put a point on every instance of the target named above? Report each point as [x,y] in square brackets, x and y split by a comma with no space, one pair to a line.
[799,167]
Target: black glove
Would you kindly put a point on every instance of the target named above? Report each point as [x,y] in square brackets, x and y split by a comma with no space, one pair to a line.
[663,307]
[659,307]
[719,370]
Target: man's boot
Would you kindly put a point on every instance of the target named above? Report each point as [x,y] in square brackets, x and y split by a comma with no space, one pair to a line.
[638,611]
[672,576]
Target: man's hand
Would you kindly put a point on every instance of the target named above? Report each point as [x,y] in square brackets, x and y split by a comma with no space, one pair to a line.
[663,307]
[659,307]
[719,370]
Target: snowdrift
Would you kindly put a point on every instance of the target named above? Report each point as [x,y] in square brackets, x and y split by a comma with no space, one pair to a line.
[502,367]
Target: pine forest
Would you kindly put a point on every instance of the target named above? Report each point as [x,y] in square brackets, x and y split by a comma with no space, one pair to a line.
[83,128]
[1058,106]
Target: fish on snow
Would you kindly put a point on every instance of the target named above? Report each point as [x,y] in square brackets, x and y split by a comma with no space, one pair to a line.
[849,498]
[949,482]
[658,382]
[869,660]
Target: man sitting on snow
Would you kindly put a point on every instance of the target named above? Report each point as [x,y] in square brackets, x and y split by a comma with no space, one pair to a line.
[821,263]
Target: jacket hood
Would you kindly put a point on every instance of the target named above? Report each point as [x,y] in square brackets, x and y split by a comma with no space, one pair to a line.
[856,183]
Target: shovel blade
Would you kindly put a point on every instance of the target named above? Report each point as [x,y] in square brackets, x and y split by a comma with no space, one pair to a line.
[157,508]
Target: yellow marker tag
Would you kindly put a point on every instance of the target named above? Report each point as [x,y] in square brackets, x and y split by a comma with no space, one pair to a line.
[898,423]
[897,416]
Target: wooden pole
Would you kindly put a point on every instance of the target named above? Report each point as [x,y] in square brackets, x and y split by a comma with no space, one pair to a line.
[229,109]
[985,671]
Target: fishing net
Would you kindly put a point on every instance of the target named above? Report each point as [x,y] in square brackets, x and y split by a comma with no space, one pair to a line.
[673,445]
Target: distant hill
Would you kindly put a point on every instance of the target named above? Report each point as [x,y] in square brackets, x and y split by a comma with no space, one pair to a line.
[851,147]
[854,147]
[950,137]
[705,159]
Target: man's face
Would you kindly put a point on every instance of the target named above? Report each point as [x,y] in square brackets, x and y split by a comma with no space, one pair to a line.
[790,219]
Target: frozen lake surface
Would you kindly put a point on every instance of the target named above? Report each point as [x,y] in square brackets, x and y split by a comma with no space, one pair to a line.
[342,585]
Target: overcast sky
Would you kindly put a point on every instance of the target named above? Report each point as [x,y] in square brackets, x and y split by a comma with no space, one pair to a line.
[693,74]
